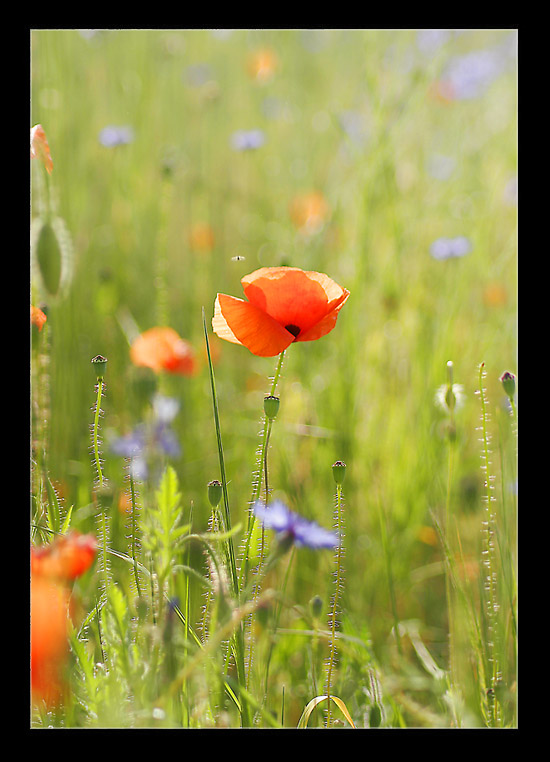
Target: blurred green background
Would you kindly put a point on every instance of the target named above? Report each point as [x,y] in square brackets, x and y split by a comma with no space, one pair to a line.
[410,139]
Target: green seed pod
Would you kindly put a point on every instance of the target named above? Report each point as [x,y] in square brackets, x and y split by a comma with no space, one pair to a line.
[53,254]
[339,471]
[214,493]
[100,364]
[508,381]
[271,406]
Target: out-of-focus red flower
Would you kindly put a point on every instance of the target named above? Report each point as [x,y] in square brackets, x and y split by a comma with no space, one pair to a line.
[262,64]
[309,211]
[285,304]
[40,148]
[49,644]
[201,237]
[53,566]
[66,558]
[37,317]
[162,349]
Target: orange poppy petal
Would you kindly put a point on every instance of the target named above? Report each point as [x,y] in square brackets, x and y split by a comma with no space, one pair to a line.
[244,323]
[161,348]
[325,325]
[293,296]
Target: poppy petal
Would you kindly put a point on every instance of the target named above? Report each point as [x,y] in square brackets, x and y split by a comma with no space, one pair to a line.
[325,325]
[244,323]
[292,296]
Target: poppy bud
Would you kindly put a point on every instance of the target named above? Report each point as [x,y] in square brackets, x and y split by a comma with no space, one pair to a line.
[271,406]
[316,606]
[99,362]
[508,381]
[214,493]
[339,471]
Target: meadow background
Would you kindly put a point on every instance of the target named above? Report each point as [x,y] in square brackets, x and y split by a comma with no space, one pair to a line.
[410,138]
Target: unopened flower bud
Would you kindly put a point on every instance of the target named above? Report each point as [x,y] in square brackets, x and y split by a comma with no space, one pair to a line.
[271,406]
[316,606]
[339,471]
[508,381]
[214,493]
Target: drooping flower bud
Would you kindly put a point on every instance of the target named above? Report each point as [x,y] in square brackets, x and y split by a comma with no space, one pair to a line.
[508,381]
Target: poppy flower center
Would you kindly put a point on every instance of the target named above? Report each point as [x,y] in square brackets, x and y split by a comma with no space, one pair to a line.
[293,329]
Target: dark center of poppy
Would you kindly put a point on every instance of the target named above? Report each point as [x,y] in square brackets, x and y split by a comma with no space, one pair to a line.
[293,329]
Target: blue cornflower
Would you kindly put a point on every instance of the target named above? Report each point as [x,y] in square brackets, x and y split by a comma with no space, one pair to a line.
[294,528]
[471,74]
[450,248]
[112,136]
[247,140]
[147,441]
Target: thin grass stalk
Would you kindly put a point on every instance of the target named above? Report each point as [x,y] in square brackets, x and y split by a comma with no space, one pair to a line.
[238,634]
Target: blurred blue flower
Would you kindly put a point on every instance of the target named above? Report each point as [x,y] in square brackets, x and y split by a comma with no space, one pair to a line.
[470,75]
[430,40]
[247,140]
[112,135]
[449,248]
[150,440]
[293,527]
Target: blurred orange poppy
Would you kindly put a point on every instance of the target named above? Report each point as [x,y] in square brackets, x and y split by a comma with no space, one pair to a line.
[37,317]
[52,567]
[66,558]
[285,304]
[262,64]
[201,237]
[308,211]
[162,349]
[49,643]
[40,148]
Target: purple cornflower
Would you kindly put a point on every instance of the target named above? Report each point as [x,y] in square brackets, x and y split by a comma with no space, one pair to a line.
[247,140]
[294,528]
[450,248]
[149,440]
[112,136]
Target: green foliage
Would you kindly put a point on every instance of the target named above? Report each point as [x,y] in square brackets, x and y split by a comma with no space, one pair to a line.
[163,528]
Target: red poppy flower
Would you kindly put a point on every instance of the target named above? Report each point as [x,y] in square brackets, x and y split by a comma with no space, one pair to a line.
[161,349]
[37,317]
[49,642]
[52,567]
[285,304]
[66,558]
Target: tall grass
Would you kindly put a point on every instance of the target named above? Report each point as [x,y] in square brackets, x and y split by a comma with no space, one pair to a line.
[426,633]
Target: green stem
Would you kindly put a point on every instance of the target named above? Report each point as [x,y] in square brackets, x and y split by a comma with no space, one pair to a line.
[243,576]
[339,573]
[134,530]
[488,553]
[239,632]
[96,431]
